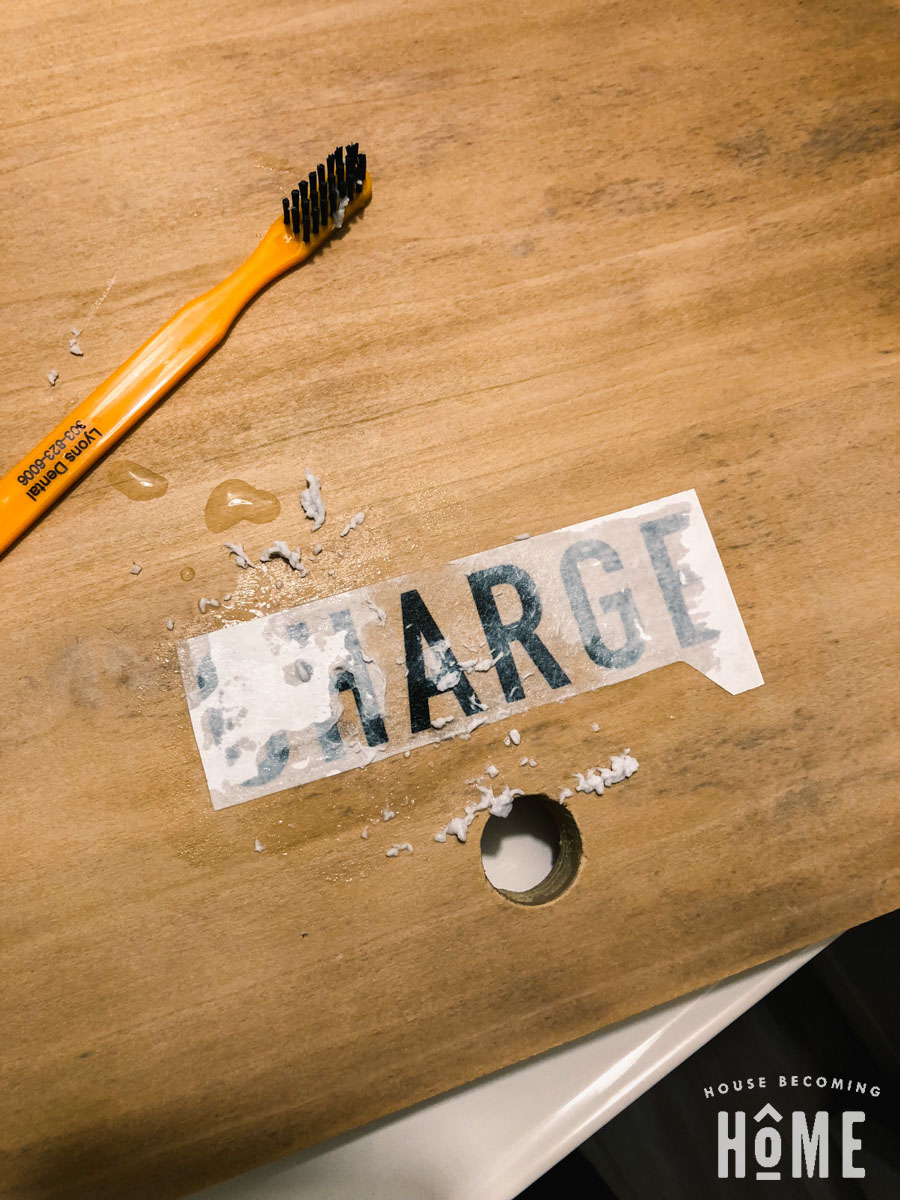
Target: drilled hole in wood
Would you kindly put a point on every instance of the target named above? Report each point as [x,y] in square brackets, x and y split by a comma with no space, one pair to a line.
[532,855]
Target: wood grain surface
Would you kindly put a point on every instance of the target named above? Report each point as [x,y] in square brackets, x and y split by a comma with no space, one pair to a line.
[615,250]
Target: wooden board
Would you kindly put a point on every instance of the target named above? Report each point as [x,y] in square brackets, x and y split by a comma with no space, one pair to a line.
[615,251]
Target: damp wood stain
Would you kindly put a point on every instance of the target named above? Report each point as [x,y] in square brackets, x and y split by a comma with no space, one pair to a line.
[137,482]
[234,500]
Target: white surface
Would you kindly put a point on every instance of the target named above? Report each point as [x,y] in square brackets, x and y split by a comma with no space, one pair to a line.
[489,1140]
[518,851]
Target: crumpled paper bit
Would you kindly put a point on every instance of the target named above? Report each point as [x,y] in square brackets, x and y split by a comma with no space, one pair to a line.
[353,523]
[240,558]
[312,503]
[497,806]
[595,779]
[283,550]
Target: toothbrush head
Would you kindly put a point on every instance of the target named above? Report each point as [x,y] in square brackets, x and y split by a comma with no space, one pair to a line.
[337,188]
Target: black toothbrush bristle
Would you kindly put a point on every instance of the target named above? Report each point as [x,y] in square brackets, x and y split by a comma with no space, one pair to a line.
[314,201]
[285,204]
[295,214]
[330,161]
[303,188]
[360,172]
[323,194]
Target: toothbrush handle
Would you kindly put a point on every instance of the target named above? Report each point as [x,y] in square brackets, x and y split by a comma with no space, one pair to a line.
[102,418]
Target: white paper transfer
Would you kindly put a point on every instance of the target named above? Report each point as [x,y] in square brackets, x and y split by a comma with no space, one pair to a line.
[336,684]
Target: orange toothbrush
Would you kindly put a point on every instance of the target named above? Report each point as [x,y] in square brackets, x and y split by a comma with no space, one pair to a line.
[318,206]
